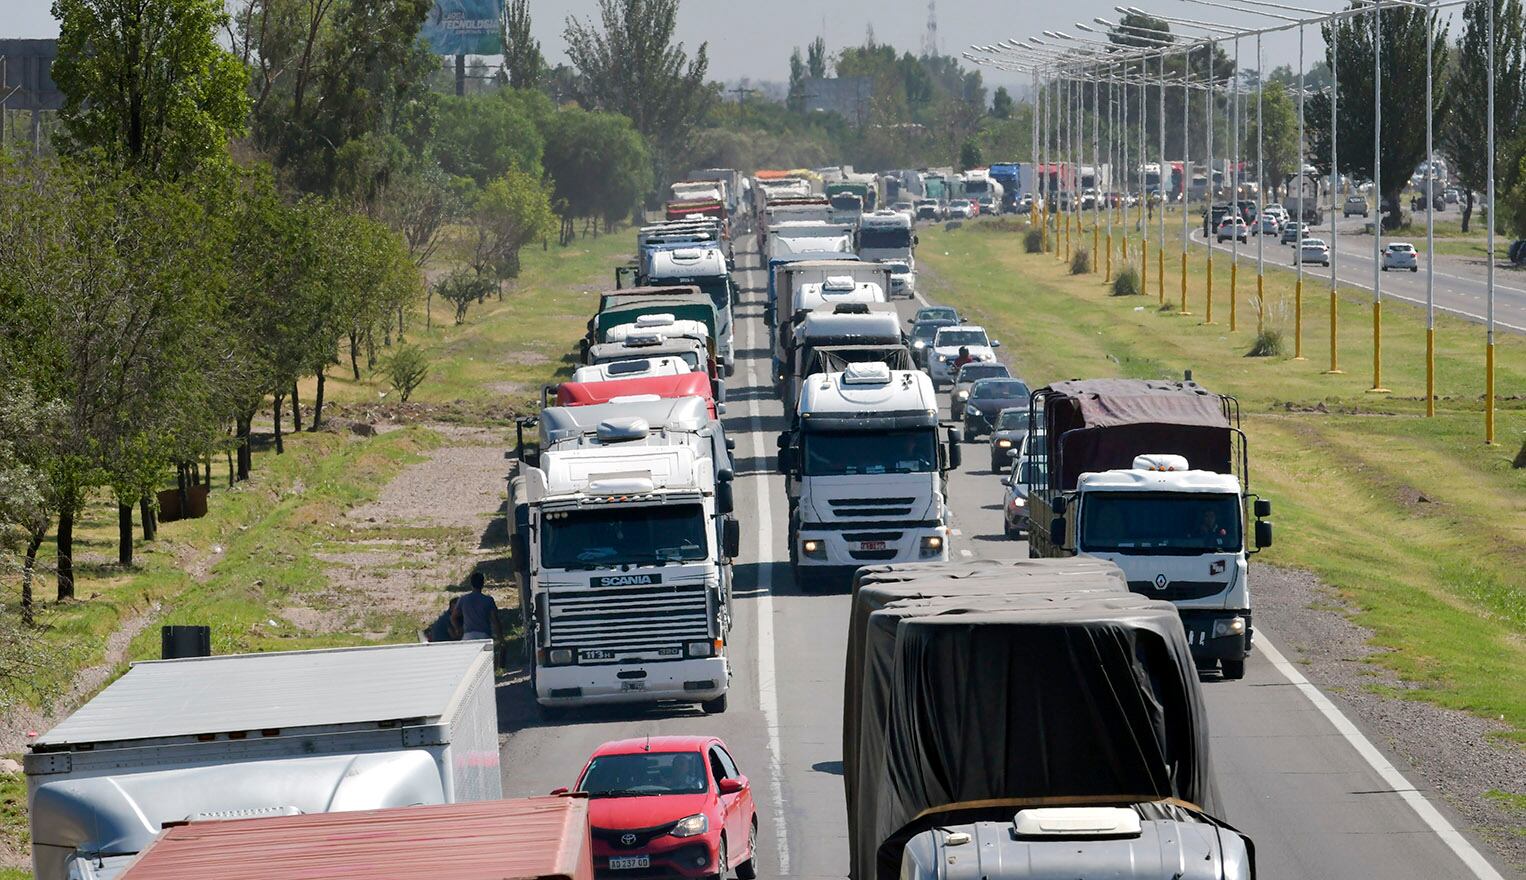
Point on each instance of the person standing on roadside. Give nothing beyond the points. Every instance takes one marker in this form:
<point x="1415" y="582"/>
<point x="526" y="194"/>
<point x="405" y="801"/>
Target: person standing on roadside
<point x="476" y="614"/>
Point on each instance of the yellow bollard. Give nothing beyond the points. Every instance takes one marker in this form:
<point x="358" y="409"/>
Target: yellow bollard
<point x="1298" y="320"/>
<point x="1335" y="362"/>
<point x="1234" y="291"/>
<point x="1208" y="311"/>
<point x="1184" y="283"/>
<point x="1109" y="275"/>
<point x="1377" y="350"/>
<point x="1430" y="371"/>
<point x="1489" y="393"/>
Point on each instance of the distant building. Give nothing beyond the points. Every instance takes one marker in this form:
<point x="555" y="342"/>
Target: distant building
<point x="27" y="67"/>
<point x="847" y="96"/>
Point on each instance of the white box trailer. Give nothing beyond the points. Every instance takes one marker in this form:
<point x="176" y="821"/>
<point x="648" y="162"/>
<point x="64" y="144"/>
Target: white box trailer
<point x="250" y="735"/>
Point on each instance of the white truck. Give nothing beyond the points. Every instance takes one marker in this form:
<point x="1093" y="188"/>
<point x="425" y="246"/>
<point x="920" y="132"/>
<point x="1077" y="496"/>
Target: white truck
<point x="886" y="236"/>
<point x="865" y="467"/>
<point x="249" y="735"/>
<point x="705" y="267"/>
<point x="845" y="324"/>
<point x="625" y="537"/>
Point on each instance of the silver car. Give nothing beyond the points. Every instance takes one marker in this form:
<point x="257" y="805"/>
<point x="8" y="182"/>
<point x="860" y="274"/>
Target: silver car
<point x="1007" y="437"/>
<point x="1401" y="255"/>
<point x="1314" y="250"/>
<point x="1355" y="205"/>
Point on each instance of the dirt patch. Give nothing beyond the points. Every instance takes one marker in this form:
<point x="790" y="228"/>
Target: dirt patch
<point x="1456" y="754"/>
<point x="459" y="486"/>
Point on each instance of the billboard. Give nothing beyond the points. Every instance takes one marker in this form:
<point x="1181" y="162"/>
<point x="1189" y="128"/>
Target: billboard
<point x="464" y="27"/>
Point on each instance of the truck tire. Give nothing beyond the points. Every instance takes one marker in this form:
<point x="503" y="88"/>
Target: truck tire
<point x="1233" y="670"/>
<point x="715" y="706"/>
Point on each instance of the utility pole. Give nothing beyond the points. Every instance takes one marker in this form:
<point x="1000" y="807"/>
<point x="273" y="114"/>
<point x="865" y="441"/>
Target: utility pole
<point x="742" y="92"/>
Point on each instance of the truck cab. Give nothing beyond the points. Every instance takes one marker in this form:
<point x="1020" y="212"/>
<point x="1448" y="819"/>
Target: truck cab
<point x="627" y="543"/>
<point x="865" y="462"/>
<point x="704" y="267"/>
<point x="886" y="236"/>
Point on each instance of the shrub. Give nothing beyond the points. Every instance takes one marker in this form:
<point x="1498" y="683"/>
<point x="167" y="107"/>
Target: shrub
<point x="1080" y="262"/>
<point x="406" y="370"/>
<point x="1167" y="306"/>
<point x="1127" y="282"/>
<point x="1033" y="241"/>
<point x="1268" y="343"/>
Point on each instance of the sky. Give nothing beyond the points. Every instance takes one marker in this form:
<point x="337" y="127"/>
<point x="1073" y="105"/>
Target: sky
<point x="744" y="43"/>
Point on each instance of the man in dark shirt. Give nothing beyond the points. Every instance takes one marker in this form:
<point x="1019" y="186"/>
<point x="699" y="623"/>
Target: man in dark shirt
<point x="476" y="613"/>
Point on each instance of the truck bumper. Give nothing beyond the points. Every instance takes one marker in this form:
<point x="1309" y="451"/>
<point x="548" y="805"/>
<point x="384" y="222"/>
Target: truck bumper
<point x="1201" y="626"/>
<point x="844" y="551"/>
<point x="687" y="681"/>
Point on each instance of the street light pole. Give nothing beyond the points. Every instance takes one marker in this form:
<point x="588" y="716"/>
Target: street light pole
<point x="1160" y="131"/>
<point x="1208" y="176"/>
<point x="1430" y="232"/>
<point x="1335" y="188"/>
<point x="1493" y="208"/>
<point x="1234" y="191"/>
<point x="1302" y="209"/>
<point x="1377" y="191"/>
<point x="1260" y="185"/>
<point x="1186" y="166"/>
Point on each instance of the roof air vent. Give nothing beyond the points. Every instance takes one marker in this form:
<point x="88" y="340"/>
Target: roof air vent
<point x="870" y="373"/>
<point x="659" y="320"/>
<point x="1158" y="461"/>
<point x="623" y="428"/>
<point x="851" y="309"/>
<point x="1077" y="822"/>
<point x="838" y="282"/>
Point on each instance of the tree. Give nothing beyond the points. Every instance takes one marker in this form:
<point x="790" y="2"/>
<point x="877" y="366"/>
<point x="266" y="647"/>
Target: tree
<point x="630" y="64"/>
<point x="796" y="98"/>
<point x="1279" y="135"/>
<point x="29" y="437"/>
<point x="816" y="59"/>
<point x="483" y="136"/>
<point x="1403" y="72"/>
<point x="969" y="155"/>
<point x="460" y="288"/>
<point x="406" y="370"/>
<point x="1462" y="134"/>
<point x="599" y="165"/>
<point x="1001" y="103"/>
<point x="521" y="51"/>
<point x="509" y="213"/>
<point x="418" y="205"/>
<point x="147" y="84"/>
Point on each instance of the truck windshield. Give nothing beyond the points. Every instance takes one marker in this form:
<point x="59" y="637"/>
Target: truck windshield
<point x="844" y="453"/>
<point x="643" y="535"/>
<point x="882" y="237"/>
<point x="645" y="774"/>
<point x="1149" y="523"/>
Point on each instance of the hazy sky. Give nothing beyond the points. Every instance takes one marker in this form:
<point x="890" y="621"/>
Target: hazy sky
<point x="754" y="40"/>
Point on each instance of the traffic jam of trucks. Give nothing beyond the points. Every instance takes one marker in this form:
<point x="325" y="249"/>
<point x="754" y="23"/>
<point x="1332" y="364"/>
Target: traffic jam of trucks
<point x="1080" y="665"/>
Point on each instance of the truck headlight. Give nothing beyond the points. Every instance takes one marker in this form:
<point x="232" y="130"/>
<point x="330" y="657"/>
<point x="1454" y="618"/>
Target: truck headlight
<point x="963" y="394"/>
<point x="705" y="648"/>
<point x="932" y="545"/>
<point x="559" y="656"/>
<point x="691" y="826"/>
<point x="1004" y="443"/>
<point x="813" y="548"/>
<point x="1232" y="626"/>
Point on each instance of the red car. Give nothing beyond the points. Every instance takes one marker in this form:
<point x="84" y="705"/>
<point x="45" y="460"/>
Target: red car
<point x="669" y="806"/>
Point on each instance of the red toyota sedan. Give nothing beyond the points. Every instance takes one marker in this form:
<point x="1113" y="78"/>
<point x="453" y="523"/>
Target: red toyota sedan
<point x="668" y="806"/>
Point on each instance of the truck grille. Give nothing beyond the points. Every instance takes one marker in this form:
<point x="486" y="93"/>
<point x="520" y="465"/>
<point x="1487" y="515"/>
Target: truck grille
<point x="872" y="507"/>
<point x="630" y="619"/>
<point x="1178" y="590"/>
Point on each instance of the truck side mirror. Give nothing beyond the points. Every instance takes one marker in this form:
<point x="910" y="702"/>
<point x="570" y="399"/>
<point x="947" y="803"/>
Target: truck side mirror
<point x="1057" y="531"/>
<point x="1263" y="508"/>
<point x="782" y="441"/>
<point x="725" y="497"/>
<point x="1263" y="534"/>
<point x="1061" y="504"/>
<point x="955" y="451"/>
<point x="731" y="444"/>
<point x="583" y="350"/>
<point x="731" y="538"/>
<point x="789" y="460"/>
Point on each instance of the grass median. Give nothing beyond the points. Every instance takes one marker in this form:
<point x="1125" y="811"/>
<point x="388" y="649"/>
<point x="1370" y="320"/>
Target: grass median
<point x="1412" y="518"/>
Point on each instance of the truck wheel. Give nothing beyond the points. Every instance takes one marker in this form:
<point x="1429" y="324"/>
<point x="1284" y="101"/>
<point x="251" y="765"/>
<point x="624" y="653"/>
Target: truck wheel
<point x="715" y="706"/>
<point x="1233" y="670"/>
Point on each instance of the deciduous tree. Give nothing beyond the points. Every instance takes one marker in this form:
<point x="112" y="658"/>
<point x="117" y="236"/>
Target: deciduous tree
<point x="1463" y="133"/>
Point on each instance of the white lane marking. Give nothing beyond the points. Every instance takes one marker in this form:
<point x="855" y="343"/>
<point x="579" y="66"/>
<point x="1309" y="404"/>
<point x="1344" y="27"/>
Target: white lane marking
<point x="1423" y="808"/>
<point x="768" y="691"/>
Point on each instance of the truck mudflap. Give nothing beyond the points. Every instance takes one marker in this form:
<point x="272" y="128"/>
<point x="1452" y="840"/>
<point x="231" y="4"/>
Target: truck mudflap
<point x="687" y="681"/>
<point x="1213" y="634"/>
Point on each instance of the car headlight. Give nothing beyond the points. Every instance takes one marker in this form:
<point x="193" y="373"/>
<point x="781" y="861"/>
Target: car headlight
<point x="1019" y="502"/>
<point x="963" y="394"/>
<point x="932" y="545"/>
<point x="919" y="344"/>
<point x="813" y="548"/>
<point x="972" y="410"/>
<point x="1004" y="443"/>
<point x="942" y="358"/>
<point x="690" y="826"/>
<point x="1232" y="626"/>
<point x="559" y="656"/>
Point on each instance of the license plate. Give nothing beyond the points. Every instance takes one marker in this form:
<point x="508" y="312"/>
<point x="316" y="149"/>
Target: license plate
<point x="633" y="686"/>
<point x="871" y="545"/>
<point x="623" y="863"/>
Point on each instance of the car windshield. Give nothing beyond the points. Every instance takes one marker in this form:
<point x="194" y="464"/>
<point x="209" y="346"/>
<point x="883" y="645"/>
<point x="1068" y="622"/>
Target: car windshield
<point x="1012" y="419"/>
<point x="645" y="775"/>
<point x="1313" y="243"/>
<point x="626" y="535"/>
<point x="1149" y="523"/>
<point x="971" y="372"/>
<point x="961" y="337"/>
<point x="936" y="314"/>
<point x="992" y="389"/>
<point x="1401" y="248"/>
<point x="842" y="453"/>
<point x="925" y="330"/>
<point x="898" y="268"/>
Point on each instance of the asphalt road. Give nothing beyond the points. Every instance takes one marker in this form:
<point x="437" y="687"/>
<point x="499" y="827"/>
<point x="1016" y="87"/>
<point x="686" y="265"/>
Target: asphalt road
<point x="1315" y="806"/>
<point x="1462" y="287"/>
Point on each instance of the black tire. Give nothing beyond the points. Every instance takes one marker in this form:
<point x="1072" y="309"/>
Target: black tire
<point x="968" y="436"/>
<point x="995" y="466"/>
<point x="1011" y="533"/>
<point x="1233" y="670"/>
<point x="720" y="861"/>
<point x="1414" y="268"/>
<point x="748" y="870"/>
<point x="715" y="706"/>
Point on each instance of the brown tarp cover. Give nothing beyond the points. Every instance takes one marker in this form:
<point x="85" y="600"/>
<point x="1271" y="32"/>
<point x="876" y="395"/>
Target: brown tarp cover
<point x="1140" y="416"/>
<point x="541" y="837"/>
<point x="1058" y="686"/>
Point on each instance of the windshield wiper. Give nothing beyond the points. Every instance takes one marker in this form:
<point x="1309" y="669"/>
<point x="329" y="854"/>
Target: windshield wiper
<point x="624" y="792"/>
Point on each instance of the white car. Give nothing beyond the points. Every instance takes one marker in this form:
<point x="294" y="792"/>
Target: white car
<point x="945" y="350"/>
<point x="1314" y="250"/>
<point x="1401" y="255"/>
<point x="960" y="209"/>
<point x="1277" y="211"/>
<point x="903" y="281"/>
<point x="906" y="208"/>
<point x="1267" y="225"/>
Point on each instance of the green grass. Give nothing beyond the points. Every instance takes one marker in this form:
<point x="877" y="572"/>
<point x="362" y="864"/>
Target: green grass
<point x="1437" y="580"/>
<point x="494" y="363"/>
<point x="14" y="835"/>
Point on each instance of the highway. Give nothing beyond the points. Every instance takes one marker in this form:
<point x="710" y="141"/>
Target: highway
<point x="1320" y="801"/>
<point x="1461" y="285"/>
